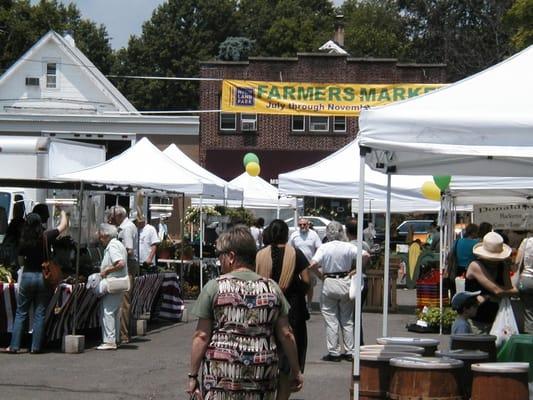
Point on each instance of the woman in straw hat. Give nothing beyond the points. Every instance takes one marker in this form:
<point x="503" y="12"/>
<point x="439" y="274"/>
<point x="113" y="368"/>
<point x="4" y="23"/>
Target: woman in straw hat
<point x="490" y="274"/>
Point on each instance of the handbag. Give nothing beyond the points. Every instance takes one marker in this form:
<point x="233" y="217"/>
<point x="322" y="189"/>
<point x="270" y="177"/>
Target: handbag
<point x="52" y="273"/>
<point x="114" y="285"/>
<point x="504" y="325"/>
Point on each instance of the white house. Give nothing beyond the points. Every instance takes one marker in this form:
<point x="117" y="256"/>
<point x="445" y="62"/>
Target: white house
<point x="55" y="90"/>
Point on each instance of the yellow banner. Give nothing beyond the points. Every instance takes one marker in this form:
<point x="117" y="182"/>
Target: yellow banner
<point x="294" y="98"/>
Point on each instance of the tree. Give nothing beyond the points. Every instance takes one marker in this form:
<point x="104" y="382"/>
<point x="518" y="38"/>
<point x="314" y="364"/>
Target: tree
<point x="373" y="28"/>
<point x="468" y="35"/>
<point x="235" y="49"/>
<point x="519" y="20"/>
<point x="22" y="24"/>
<point x="285" y="27"/>
<point x="180" y="34"/>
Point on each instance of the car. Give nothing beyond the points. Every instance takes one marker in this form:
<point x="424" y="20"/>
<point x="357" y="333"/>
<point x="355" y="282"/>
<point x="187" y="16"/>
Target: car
<point x="420" y="228"/>
<point x="318" y="223"/>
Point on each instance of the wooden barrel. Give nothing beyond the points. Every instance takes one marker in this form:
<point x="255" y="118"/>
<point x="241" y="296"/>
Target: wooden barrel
<point x="426" y="378"/>
<point x="429" y="345"/>
<point x="486" y="343"/>
<point x="375" y="373"/>
<point x="391" y="348"/>
<point x="468" y="357"/>
<point x="497" y="381"/>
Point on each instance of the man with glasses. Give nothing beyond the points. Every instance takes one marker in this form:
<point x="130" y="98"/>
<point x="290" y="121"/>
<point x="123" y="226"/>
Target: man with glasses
<point x="308" y="241"/>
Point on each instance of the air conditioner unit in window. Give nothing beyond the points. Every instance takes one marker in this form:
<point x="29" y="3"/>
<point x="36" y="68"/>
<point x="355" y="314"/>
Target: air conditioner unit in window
<point x="249" y="126"/>
<point x="317" y="126"/>
<point x="32" y="81"/>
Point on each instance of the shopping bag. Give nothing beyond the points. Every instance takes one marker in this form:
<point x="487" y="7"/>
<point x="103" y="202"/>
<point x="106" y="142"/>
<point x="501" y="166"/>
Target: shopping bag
<point x="505" y="324"/>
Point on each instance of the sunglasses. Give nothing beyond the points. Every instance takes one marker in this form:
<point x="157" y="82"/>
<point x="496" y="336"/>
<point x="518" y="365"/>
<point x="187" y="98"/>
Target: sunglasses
<point x="303" y="225"/>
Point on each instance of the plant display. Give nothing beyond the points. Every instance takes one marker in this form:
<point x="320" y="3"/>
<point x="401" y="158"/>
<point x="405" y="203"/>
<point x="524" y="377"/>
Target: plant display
<point x="192" y="214"/>
<point x="431" y="315"/>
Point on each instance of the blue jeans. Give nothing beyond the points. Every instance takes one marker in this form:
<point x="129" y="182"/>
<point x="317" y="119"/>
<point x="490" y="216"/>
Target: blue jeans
<point x="32" y="289"/>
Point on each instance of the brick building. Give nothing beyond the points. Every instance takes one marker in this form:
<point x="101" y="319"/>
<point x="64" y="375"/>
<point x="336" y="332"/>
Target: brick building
<point x="284" y="143"/>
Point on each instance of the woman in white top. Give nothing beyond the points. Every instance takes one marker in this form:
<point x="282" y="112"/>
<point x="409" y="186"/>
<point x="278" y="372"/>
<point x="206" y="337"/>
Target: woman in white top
<point x="524" y="259"/>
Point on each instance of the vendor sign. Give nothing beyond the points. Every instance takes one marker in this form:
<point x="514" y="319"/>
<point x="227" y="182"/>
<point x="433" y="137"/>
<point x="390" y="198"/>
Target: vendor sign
<point x="513" y="216"/>
<point x="293" y="98"/>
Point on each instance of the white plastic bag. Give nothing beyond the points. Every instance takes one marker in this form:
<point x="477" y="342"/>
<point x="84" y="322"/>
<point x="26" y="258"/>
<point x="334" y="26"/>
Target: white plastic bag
<point x="353" y="286"/>
<point x="505" y="324"/>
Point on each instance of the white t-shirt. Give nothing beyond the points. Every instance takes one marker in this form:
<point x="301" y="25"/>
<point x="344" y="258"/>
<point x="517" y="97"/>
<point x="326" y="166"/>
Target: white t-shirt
<point x="114" y="252"/>
<point x="308" y="242"/>
<point x="128" y="235"/>
<point x="257" y="234"/>
<point x="147" y="238"/>
<point x="335" y="257"/>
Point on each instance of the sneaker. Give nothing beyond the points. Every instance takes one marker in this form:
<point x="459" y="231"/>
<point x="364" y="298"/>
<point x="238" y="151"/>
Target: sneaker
<point x="107" y="346"/>
<point x="347" y="357"/>
<point x="331" y="357"/>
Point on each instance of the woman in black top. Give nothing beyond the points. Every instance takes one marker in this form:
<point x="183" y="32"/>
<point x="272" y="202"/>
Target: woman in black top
<point x="288" y="267"/>
<point x="489" y="273"/>
<point x="32" y="288"/>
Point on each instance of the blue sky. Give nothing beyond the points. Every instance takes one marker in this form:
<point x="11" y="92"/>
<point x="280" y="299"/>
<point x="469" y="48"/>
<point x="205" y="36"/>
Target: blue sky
<point x="122" y="18"/>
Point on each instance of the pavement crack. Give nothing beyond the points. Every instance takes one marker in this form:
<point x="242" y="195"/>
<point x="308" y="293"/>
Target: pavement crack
<point x="60" y="389"/>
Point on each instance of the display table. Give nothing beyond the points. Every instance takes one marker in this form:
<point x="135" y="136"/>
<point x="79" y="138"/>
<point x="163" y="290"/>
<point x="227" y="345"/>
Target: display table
<point x="60" y="312"/>
<point x="374" y="298"/>
<point x="518" y="348"/>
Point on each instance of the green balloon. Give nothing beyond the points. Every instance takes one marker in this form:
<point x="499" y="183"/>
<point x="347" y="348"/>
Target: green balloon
<point x="248" y="158"/>
<point x="442" y="181"/>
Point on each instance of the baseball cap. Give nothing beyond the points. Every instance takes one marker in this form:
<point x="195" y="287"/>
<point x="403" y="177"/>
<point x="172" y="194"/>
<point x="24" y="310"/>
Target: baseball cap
<point x="460" y="298"/>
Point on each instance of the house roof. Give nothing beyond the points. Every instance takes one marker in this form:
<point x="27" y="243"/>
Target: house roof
<point x="86" y="67"/>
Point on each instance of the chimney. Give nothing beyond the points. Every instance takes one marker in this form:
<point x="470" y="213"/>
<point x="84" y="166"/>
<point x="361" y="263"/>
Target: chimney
<point x="338" y="37"/>
<point x="68" y="35"/>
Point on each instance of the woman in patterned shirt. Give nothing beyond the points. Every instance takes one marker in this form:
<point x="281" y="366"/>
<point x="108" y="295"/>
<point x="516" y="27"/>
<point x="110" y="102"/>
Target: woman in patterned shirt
<point x="240" y="316"/>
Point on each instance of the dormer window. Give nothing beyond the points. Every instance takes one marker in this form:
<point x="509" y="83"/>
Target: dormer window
<point x="51" y="75"/>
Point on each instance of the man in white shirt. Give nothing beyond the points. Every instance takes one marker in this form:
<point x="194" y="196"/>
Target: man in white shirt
<point x="333" y="263"/>
<point x="148" y="241"/>
<point x="308" y="241"/>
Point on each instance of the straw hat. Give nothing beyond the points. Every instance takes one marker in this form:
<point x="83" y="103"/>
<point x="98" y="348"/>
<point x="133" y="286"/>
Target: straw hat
<point x="492" y="248"/>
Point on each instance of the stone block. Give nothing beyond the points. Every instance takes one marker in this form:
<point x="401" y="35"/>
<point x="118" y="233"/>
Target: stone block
<point x="141" y="327"/>
<point x="73" y="344"/>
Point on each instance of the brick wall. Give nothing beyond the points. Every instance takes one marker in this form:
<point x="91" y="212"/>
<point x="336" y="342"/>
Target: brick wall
<point x="274" y="132"/>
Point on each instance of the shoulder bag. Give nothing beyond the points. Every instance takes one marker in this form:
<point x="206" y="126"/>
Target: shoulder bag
<point x="52" y="273"/>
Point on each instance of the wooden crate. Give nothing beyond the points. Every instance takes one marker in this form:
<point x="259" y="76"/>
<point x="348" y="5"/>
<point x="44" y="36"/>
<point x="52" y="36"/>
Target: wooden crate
<point x="374" y="298"/>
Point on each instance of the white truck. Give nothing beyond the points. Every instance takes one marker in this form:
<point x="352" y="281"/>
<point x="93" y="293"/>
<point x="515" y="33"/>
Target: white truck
<point x="30" y="157"/>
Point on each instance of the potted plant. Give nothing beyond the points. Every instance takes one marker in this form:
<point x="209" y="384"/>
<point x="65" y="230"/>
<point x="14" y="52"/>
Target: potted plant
<point x="165" y="249"/>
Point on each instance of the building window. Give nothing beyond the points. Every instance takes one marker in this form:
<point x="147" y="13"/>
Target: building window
<point x="339" y="124"/>
<point x="228" y="121"/>
<point x="248" y="122"/>
<point x="51" y="75"/>
<point x="318" y="124"/>
<point x="298" y="123"/>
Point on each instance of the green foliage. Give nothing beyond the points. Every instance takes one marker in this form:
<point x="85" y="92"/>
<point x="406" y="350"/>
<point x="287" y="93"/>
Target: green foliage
<point x="22" y="24"/>
<point x="235" y="49"/>
<point x="431" y="315"/>
<point x="468" y="36"/>
<point x="237" y="215"/>
<point x="519" y="20"/>
<point x="373" y="28"/>
<point x="192" y="214"/>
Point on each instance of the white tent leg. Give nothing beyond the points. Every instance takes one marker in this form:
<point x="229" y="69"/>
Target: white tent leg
<point x="386" y="265"/>
<point x="277" y="209"/>
<point x="359" y="275"/>
<point x="201" y="244"/>
<point x="443" y="213"/>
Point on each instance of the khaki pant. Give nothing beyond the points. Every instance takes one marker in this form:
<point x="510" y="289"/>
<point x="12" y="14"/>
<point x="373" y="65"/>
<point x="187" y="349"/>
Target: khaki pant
<point x="337" y="310"/>
<point x="125" y="313"/>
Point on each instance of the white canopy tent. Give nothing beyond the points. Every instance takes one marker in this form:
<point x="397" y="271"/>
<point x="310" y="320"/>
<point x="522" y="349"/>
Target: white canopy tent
<point x="338" y="176"/>
<point x="180" y="158"/>
<point x="144" y="164"/>
<point x="480" y="126"/>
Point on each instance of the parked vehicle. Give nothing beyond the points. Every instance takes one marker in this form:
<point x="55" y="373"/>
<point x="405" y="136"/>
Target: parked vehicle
<point x="420" y="228"/>
<point x="318" y="224"/>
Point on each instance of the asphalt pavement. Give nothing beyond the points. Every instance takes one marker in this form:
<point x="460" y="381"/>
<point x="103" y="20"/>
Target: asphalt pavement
<point x="155" y="366"/>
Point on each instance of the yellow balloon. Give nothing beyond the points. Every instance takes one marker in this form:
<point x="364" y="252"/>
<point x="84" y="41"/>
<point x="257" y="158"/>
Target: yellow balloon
<point x="431" y="191"/>
<point x="253" y="168"/>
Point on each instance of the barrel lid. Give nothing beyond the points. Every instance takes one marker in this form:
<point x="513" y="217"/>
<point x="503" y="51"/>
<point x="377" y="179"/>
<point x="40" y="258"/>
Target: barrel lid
<point x="469" y="337"/>
<point x="422" y="342"/>
<point x="502" y="367"/>
<point x="426" y="362"/>
<point x="461" y="354"/>
<point x="392" y="348"/>
<point x="384" y="355"/>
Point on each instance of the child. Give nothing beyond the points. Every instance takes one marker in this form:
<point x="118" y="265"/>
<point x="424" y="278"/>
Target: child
<point x="466" y="304"/>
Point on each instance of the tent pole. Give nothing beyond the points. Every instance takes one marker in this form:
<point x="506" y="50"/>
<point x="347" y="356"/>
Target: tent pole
<point x="201" y="243"/>
<point x="77" y="280"/>
<point x="386" y="265"/>
<point x="277" y="209"/>
<point x="443" y="212"/>
<point x="359" y="275"/>
<point x="182" y="245"/>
